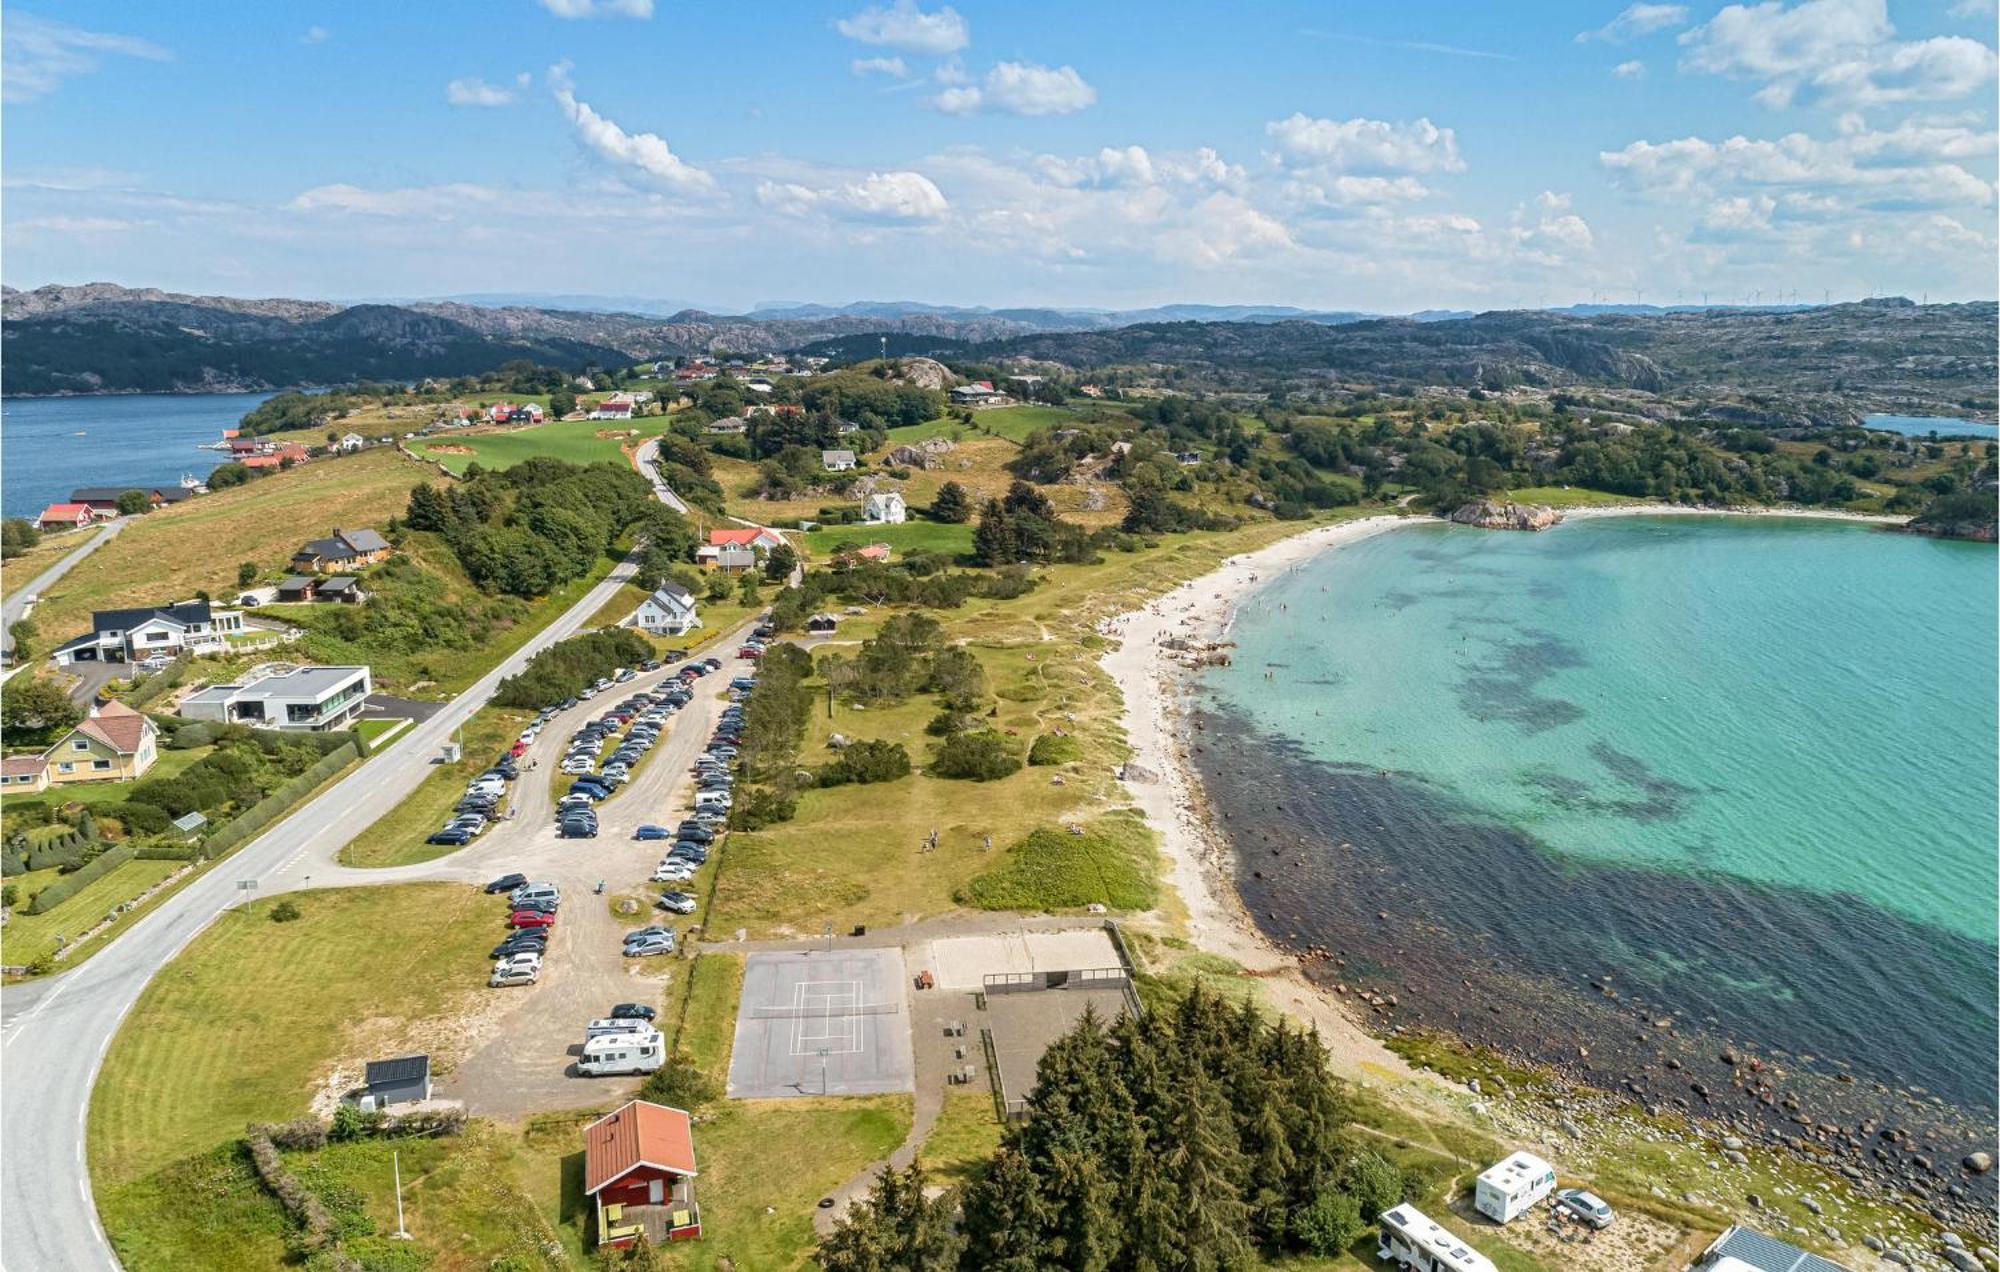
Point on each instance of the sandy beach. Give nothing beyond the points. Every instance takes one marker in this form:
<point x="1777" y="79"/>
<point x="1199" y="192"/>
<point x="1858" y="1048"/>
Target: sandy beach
<point x="1151" y="677"/>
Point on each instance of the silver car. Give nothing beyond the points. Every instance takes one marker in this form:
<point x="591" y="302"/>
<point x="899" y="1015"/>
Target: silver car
<point x="1586" y="1206"/>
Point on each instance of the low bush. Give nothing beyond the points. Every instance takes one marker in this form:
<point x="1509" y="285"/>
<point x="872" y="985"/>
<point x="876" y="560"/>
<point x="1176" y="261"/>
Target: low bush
<point x="1110" y="864"/>
<point x="286" y="911"/>
<point x="1328" y="1224"/>
<point x="975" y="757"/>
<point x="1054" y="748"/>
<point x="761" y="807"/>
<point x="680" y="1084"/>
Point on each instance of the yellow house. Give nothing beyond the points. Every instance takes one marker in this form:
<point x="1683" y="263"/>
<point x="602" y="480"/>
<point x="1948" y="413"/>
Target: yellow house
<point x="115" y="743"/>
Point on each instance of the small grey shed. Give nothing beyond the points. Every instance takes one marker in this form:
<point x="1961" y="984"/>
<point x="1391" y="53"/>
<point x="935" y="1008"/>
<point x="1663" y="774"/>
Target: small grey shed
<point x="404" y="1080"/>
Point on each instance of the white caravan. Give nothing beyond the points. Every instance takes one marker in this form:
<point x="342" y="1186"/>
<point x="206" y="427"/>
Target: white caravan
<point x="1513" y="1187"/>
<point x="1419" y="1244"/>
<point x="622" y="1053"/>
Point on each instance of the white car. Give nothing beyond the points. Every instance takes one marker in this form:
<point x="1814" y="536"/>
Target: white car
<point x="677" y="872"/>
<point x="511" y="973"/>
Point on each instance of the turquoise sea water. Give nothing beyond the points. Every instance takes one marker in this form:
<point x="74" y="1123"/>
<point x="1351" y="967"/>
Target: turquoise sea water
<point x="1807" y="704"/>
<point x="1925" y="425"/>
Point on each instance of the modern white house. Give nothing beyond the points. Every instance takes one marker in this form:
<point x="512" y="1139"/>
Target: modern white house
<point x="129" y="635"/>
<point x="305" y="699"/>
<point x="669" y="611"/>
<point x="884" y="508"/>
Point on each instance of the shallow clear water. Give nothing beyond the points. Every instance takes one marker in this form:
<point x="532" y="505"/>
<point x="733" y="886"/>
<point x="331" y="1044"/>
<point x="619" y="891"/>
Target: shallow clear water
<point x="1804" y="703"/>
<point x="1925" y="425"/>
<point x="144" y="439"/>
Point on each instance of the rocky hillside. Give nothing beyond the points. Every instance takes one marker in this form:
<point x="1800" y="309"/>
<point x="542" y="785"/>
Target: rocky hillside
<point x="1818" y="365"/>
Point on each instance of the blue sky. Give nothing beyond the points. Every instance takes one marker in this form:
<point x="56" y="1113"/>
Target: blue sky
<point x="1343" y="155"/>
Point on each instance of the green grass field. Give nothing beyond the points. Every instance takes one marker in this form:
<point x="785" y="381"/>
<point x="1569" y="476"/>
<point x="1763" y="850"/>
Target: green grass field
<point x="17" y="572"/>
<point x="397" y="839"/>
<point x="576" y="441"/>
<point x="249" y="1018"/>
<point x="29" y="936"/>
<point x="1011" y="422"/>
<point x="910" y="536"/>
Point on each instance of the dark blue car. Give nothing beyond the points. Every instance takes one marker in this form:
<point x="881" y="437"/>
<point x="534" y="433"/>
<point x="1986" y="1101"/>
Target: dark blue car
<point x="653" y="832"/>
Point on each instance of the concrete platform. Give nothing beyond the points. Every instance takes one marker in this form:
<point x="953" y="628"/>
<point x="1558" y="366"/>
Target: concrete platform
<point x="1023" y="1025"/>
<point x="824" y="1022"/>
<point x="964" y="962"/>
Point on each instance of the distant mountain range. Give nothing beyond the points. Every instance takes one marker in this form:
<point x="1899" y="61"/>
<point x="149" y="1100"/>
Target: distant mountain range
<point x="103" y="338"/>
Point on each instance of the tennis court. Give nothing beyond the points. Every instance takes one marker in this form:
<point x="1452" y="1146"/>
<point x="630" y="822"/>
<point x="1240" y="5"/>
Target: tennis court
<point x="826" y="1022"/>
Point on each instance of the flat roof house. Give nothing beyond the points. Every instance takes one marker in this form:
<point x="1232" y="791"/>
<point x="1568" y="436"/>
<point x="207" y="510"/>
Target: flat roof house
<point x="669" y="611"/>
<point x="341" y="550"/>
<point x="403" y="1080"/>
<point x="131" y="634"/>
<point x="305" y="700"/>
<point x="638" y="1168"/>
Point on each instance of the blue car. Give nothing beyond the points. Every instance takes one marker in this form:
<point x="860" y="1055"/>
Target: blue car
<point x="653" y="832"/>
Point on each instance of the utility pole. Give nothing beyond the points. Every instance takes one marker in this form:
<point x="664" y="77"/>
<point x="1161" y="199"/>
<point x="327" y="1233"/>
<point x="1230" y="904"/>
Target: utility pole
<point x="396" y="1158"/>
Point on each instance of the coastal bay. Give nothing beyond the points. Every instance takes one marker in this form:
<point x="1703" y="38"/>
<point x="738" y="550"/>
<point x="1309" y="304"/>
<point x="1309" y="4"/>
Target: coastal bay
<point x="55" y="445"/>
<point x="1395" y="883"/>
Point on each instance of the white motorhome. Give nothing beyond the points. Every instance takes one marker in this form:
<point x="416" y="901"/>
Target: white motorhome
<point x="616" y="1053"/>
<point x="615" y="1025"/>
<point x="1513" y="1187"/>
<point x="1419" y="1244"/>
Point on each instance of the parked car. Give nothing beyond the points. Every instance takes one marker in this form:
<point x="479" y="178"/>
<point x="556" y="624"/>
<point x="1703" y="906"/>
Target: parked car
<point x="1587" y="1206"/>
<point x="652" y="832"/>
<point x="679" y="870"/>
<point x="697" y="831"/>
<point x="578" y="830"/>
<point x="634" y="1011"/>
<point x="677" y="902"/>
<point x="650" y="930"/>
<point x="527" y="890"/>
<point x="530" y="918"/>
<point x="648" y="948"/>
<point x="449" y="838"/>
<point x="506" y="883"/>
<point x="514" y="976"/>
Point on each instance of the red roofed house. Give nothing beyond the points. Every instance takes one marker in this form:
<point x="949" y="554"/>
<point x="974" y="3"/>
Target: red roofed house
<point x="756" y="538"/>
<point x="638" y="1166"/>
<point x="65" y="516"/>
<point x="290" y="451"/>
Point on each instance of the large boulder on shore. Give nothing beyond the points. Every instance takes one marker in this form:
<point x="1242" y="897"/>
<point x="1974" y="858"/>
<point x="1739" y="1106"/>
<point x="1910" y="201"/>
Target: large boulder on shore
<point x="1490" y="515"/>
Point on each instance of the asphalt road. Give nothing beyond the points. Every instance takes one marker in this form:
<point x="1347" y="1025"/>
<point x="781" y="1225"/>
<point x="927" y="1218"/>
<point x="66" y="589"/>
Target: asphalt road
<point x="648" y="457"/>
<point x="15" y="606"/>
<point x="54" y="1031"/>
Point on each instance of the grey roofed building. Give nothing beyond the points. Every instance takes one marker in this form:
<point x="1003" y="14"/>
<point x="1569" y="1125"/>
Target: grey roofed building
<point x="314" y="699"/>
<point x="1753" y="1249"/>
<point x="837" y="460"/>
<point x="405" y="1079"/>
<point x="190" y="823"/>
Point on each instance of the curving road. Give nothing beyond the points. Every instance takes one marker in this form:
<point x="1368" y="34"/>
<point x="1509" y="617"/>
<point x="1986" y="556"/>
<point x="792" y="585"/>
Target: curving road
<point x="15" y="607"/>
<point x="54" y="1031"/>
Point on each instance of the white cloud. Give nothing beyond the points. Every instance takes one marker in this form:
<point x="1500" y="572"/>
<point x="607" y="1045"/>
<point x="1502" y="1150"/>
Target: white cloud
<point x="1629" y="70"/>
<point x="1127" y="167"/>
<point x="599" y="8"/>
<point x="315" y="35"/>
<point x="894" y="67"/>
<point x="1637" y="20"/>
<point x="80" y="225"/>
<point x="39" y="53"/>
<point x="1221" y="230"/>
<point x="879" y="196"/>
<point x="1842" y="53"/>
<point x="1365" y="145"/>
<point x="439" y="202"/>
<point x="1974" y="9"/>
<point x="645" y="153"/>
<point x="1020" y="88"/>
<point x="904" y="26"/>
<point x="1906" y="168"/>
<point x="473" y="91"/>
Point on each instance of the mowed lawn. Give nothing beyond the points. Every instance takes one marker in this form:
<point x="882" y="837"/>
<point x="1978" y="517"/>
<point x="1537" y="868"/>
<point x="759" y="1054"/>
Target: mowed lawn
<point x="29" y="936"/>
<point x="911" y="536"/>
<point x="171" y="554"/>
<point x="252" y="1015"/>
<point x="1012" y="422"/>
<point x="576" y="441"/>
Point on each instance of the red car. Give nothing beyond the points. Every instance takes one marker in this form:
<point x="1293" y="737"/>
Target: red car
<point x="518" y="750"/>
<point x="530" y="919"/>
<point x="747" y="652"/>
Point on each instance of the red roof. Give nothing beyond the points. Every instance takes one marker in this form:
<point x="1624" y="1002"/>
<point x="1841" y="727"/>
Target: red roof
<point x="23" y="765"/>
<point x="117" y="726"/>
<point x="722" y="538"/>
<point x="65" y="512"/>
<point x="639" y="1134"/>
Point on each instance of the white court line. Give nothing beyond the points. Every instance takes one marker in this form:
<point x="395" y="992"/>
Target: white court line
<point x="814" y="1034"/>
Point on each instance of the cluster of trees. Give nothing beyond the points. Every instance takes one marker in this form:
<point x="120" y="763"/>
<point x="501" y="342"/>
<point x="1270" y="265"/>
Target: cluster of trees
<point x="921" y="578"/>
<point x="17" y="535"/>
<point x="871" y="399"/>
<point x="567" y="667"/>
<point x="774" y="725"/>
<point x="528" y="529"/>
<point x="865" y="762"/>
<point x="1024" y="527"/>
<point x="1197" y="1137"/>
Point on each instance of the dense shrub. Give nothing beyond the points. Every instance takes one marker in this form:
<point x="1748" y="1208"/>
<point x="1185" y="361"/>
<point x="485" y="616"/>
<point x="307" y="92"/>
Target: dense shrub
<point x="978" y="757"/>
<point x="1109" y="864"/>
<point x="680" y="1084"/>
<point x="1328" y="1224"/>
<point x="866" y="762"/>
<point x="568" y="667"/>
<point x="761" y="806"/>
<point x="286" y="911"/>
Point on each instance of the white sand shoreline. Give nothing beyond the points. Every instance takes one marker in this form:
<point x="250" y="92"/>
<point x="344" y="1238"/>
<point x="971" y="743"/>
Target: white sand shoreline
<point x="1153" y="683"/>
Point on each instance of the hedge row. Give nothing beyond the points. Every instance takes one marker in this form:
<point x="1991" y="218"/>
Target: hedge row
<point x="274" y="805"/>
<point x="170" y="852"/>
<point x="70" y="884"/>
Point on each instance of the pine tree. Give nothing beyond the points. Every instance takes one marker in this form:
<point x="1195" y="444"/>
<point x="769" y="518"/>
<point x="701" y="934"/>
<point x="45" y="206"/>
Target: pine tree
<point x="897" y="1228"/>
<point x="427" y="510"/>
<point x="994" y="541"/>
<point x="1203" y="1164"/>
<point x="1006" y="1218"/>
<point x="951" y="504"/>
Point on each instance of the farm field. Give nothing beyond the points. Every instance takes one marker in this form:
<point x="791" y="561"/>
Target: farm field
<point x="576" y="441"/>
<point x="195" y="546"/>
